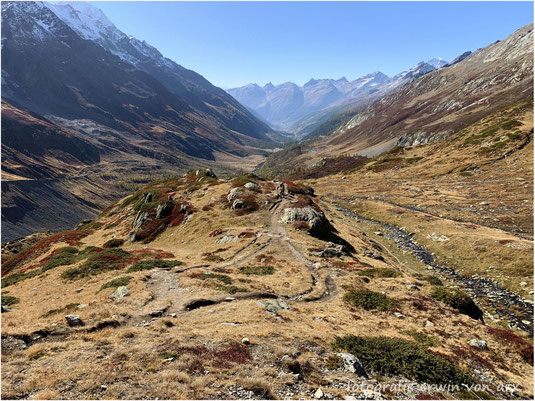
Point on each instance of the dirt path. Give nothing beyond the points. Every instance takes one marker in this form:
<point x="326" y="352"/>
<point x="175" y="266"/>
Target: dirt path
<point x="518" y="234"/>
<point x="165" y="288"/>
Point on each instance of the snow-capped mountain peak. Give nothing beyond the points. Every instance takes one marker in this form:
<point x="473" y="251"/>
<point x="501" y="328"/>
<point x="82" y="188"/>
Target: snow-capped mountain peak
<point x="437" y="62"/>
<point x="91" y="23"/>
<point x="31" y="20"/>
<point x="86" y="20"/>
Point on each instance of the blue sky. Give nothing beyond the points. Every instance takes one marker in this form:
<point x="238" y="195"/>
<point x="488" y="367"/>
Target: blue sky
<point x="235" y="43"/>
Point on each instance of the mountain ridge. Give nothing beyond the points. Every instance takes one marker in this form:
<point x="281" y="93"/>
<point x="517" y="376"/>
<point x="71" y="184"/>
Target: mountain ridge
<point x="287" y="105"/>
<point x="132" y="114"/>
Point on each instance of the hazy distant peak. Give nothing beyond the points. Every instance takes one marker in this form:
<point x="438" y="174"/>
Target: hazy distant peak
<point x="437" y="62"/>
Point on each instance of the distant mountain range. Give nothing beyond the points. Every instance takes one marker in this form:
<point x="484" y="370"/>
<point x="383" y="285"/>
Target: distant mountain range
<point x="72" y="81"/>
<point x="298" y="109"/>
<point x="433" y="106"/>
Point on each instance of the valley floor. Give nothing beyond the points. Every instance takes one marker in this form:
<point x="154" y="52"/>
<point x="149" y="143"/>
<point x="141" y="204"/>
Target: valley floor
<point x="261" y="309"/>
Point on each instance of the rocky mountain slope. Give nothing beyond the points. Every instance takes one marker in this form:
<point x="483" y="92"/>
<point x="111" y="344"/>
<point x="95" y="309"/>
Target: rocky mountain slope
<point x="433" y="106"/>
<point x="198" y="287"/>
<point x="119" y="97"/>
<point x="301" y="109"/>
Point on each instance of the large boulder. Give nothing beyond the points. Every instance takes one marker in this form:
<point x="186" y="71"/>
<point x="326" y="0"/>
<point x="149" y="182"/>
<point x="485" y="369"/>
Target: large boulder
<point x="318" y="223"/>
<point x="165" y="209"/>
<point x="74" y="320"/>
<point x="477" y="343"/>
<point x="226" y="239"/>
<point x="120" y="292"/>
<point x="352" y="364"/>
<point x="330" y="251"/>
<point x="238" y="204"/>
<point x="234" y="194"/>
<point x="252" y="186"/>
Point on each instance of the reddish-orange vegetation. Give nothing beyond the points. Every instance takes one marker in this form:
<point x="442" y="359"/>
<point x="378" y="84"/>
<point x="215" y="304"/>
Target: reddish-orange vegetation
<point x="249" y="205"/>
<point x="154" y="253"/>
<point x="268" y="186"/>
<point x="208" y="207"/>
<point x="216" y="232"/>
<point x="266" y="258"/>
<point x="153" y="226"/>
<point x="468" y="354"/>
<point x="247" y="234"/>
<point x="221" y="357"/>
<point x="301" y="225"/>
<point x="294" y="188"/>
<point x="166" y="194"/>
<point x="72" y="238"/>
<point x="521" y="345"/>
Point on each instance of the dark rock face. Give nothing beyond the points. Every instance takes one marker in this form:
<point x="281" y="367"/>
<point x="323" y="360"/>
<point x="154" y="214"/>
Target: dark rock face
<point x="74" y="320"/>
<point x="164" y="210"/>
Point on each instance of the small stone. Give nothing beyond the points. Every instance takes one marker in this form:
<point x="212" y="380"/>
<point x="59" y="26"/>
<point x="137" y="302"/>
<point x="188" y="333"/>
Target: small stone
<point x="318" y="394"/>
<point x="526" y="322"/>
<point x="120" y="292"/>
<point x="438" y="237"/>
<point x="484" y="203"/>
<point x="252" y="186"/>
<point x="523" y="284"/>
<point x="398" y="315"/>
<point x="82" y="306"/>
<point x="429" y="323"/>
<point x="226" y="238"/>
<point x="74" y="320"/>
<point x="238" y="204"/>
<point x="478" y="344"/>
<point x="379" y="233"/>
<point x="352" y="364"/>
<point x="245" y="341"/>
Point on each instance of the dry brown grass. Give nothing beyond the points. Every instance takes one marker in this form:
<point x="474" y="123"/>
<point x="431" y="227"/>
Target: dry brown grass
<point x="199" y="354"/>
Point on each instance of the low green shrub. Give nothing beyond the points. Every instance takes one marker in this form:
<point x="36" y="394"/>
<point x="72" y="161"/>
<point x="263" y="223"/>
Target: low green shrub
<point x="421" y="338"/>
<point x="257" y="270"/>
<point x="220" y="277"/>
<point x="231" y="289"/>
<point x="369" y="300"/>
<point x="459" y="300"/>
<point x="89" y="268"/>
<point x="433" y="280"/>
<point x="113" y="243"/>
<point x="61" y="259"/>
<point x="116" y="282"/>
<point x="379" y="272"/>
<point x="394" y="356"/>
<point x="16" y="277"/>
<point x="8" y="300"/>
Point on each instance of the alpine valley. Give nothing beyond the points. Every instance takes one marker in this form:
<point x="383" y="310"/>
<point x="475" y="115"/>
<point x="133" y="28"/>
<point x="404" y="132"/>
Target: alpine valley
<point x="166" y="239"/>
